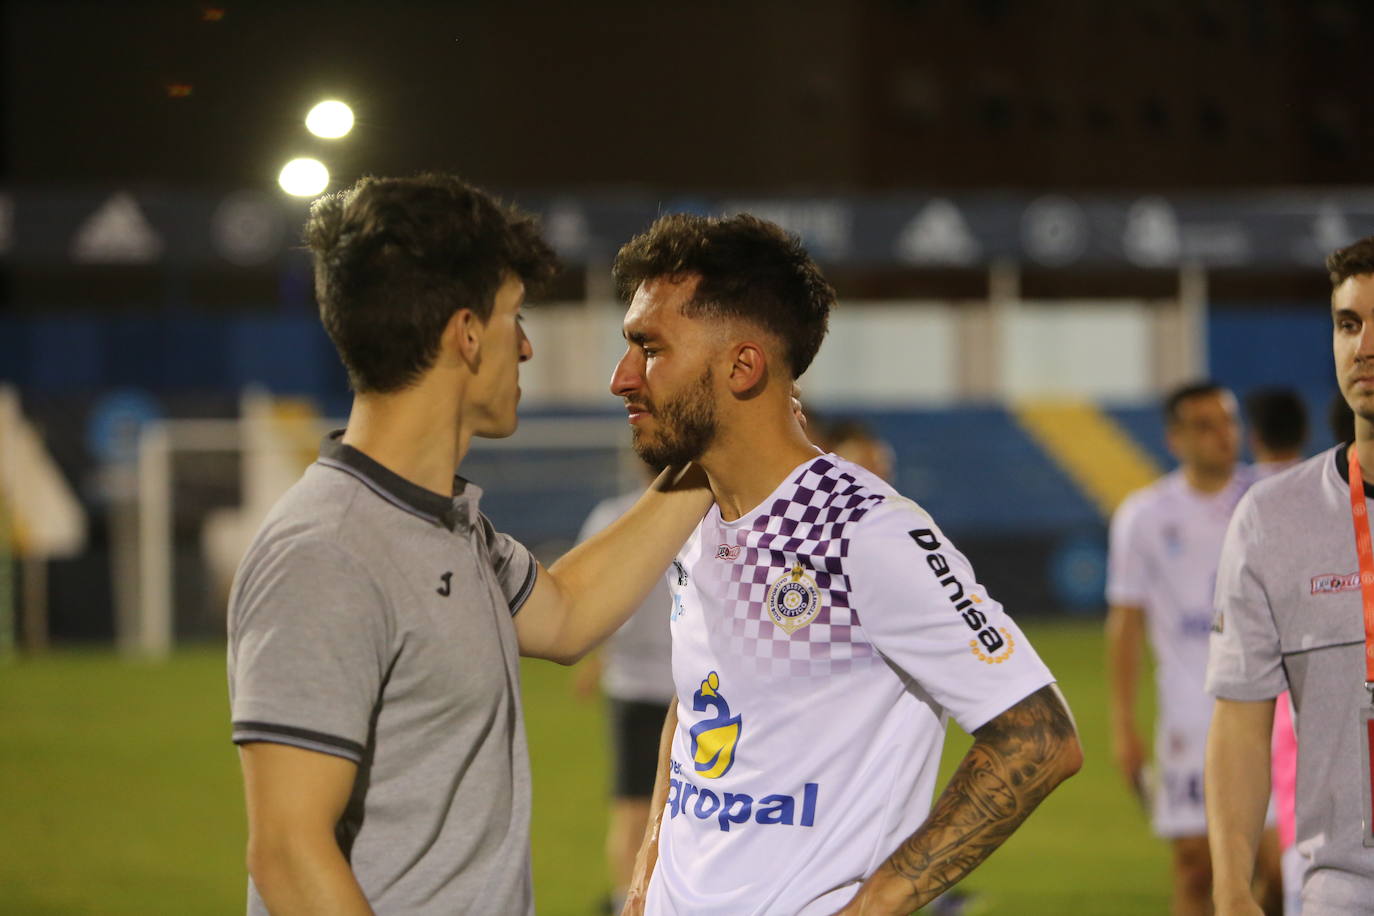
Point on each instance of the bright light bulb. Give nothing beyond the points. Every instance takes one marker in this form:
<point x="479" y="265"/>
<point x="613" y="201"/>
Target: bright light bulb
<point x="303" y="177"/>
<point x="330" y="120"/>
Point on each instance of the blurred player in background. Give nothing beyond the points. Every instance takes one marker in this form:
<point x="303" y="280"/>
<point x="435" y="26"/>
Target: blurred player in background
<point x="1292" y="614"/>
<point x="634" y="669"/>
<point x="854" y="440"/>
<point x="1277" y="423"/>
<point x="375" y="621"/>
<point x="1165" y="541"/>
<point x="823" y="626"/>
<point x="1341" y="420"/>
<point x="1278" y="432"/>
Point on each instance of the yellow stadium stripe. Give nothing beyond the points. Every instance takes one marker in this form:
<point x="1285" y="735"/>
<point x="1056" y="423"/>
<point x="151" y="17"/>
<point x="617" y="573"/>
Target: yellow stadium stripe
<point x="297" y="419"/>
<point x="1092" y="448"/>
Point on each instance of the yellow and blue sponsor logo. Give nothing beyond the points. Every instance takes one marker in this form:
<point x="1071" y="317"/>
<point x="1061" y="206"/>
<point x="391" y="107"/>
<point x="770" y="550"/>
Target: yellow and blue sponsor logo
<point x="713" y="740"/>
<point x="714" y="745"/>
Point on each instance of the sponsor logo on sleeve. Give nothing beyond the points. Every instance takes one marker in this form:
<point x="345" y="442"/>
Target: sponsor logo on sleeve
<point x="991" y="645"/>
<point x="1334" y="584"/>
<point x="793" y="600"/>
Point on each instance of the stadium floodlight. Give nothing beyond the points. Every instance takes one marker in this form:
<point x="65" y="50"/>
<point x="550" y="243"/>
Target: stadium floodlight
<point x="330" y="120"/>
<point x="303" y="177"/>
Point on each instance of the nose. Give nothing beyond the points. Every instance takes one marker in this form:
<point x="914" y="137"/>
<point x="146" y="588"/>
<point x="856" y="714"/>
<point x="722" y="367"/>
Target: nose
<point x="625" y="380"/>
<point x="526" y="348"/>
<point x="1364" y="347"/>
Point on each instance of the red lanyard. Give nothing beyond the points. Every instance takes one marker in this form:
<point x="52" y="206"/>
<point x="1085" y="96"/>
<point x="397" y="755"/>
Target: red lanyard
<point x="1359" y="514"/>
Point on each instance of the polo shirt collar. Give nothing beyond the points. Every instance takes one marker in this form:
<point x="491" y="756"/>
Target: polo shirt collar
<point x="435" y="508"/>
<point x="1343" y="468"/>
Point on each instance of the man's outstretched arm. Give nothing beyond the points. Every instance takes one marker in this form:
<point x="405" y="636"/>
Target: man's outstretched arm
<point x="595" y="587"/>
<point x="1015" y="761"/>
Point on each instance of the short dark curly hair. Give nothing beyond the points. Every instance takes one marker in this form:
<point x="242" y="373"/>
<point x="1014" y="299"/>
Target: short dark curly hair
<point x="396" y="257"/>
<point x="1186" y="392"/>
<point x="748" y="268"/>
<point x="1352" y="260"/>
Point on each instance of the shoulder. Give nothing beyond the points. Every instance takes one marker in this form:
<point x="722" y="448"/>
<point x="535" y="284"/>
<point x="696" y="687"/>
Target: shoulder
<point x="1152" y="498"/>
<point x="1297" y="481"/>
<point x="312" y="519"/>
<point x="313" y="530"/>
<point x="833" y="491"/>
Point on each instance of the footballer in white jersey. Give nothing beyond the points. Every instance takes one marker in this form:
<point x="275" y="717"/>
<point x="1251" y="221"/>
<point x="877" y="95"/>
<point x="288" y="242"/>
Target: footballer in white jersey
<point x="1165" y="543"/>
<point x="820" y="644"/>
<point x="823" y="628"/>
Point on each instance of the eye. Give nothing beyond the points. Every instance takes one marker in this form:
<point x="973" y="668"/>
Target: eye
<point x="649" y="352"/>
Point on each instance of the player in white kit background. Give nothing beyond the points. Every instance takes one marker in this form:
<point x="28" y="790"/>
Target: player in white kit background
<point x="1165" y="544"/>
<point x="824" y="627"/>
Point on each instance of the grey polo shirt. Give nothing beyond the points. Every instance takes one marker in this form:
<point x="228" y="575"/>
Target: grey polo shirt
<point x="371" y="619"/>
<point x="1289" y="617"/>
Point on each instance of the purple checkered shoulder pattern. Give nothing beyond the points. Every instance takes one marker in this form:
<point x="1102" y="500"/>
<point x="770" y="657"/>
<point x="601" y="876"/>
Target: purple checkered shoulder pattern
<point x="810" y="526"/>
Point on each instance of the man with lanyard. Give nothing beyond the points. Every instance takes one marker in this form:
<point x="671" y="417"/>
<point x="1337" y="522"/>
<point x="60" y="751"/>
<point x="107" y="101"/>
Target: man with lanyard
<point x="1295" y="611"/>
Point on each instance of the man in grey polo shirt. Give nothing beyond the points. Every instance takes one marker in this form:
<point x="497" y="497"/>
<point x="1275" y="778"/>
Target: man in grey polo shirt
<point x="376" y="619"/>
<point x="1289" y="616"/>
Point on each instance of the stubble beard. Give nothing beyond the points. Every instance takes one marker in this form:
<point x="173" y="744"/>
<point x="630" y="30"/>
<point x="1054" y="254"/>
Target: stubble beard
<point x="686" y="427"/>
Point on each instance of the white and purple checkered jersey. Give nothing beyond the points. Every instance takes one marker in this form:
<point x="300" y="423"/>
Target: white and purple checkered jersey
<point x="821" y="642"/>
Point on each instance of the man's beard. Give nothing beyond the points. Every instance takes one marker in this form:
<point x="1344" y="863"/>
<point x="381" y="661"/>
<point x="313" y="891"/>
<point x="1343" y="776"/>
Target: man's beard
<point x="686" y="427"/>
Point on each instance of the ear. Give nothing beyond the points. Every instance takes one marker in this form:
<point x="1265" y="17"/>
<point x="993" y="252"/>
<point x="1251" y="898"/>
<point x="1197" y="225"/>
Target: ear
<point x="461" y="342"/>
<point x="748" y="369"/>
<point x="1171" y="440"/>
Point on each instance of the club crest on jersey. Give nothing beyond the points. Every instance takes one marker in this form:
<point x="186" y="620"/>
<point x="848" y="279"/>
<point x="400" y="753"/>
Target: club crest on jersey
<point x="793" y="600"/>
<point x="714" y="739"/>
<point x="727" y="552"/>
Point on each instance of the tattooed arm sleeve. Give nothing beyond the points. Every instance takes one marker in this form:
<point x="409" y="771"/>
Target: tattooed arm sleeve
<point x="1015" y="761"/>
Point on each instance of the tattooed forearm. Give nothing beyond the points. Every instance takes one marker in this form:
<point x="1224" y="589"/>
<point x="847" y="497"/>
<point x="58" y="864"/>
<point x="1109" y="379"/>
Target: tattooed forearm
<point x="1015" y="761"/>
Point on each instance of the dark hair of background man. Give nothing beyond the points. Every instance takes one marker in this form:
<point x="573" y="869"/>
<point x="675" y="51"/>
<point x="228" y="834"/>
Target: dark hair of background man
<point x="1182" y="393"/>
<point x="1277" y="417"/>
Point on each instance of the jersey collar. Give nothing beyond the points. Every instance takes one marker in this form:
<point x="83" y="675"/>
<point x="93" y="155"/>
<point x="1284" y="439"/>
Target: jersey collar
<point x="434" y="508"/>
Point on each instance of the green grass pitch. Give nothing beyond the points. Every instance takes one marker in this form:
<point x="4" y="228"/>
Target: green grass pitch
<point x="121" y="794"/>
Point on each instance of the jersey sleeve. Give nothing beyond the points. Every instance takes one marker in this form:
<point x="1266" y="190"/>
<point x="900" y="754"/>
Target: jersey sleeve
<point x="921" y="606"/>
<point x="1127" y="566"/>
<point x="308" y="645"/>
<point x="1244" y="661"/>
<point x="515" y="567"/>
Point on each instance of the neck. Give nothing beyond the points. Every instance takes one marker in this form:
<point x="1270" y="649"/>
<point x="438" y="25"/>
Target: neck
<point x="414" y="433"/>
<point x="1205" y="480"/>
<point x="1364" y="444"/>
<point x="753" y="459"/>
<point x="1277" y="456"/>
